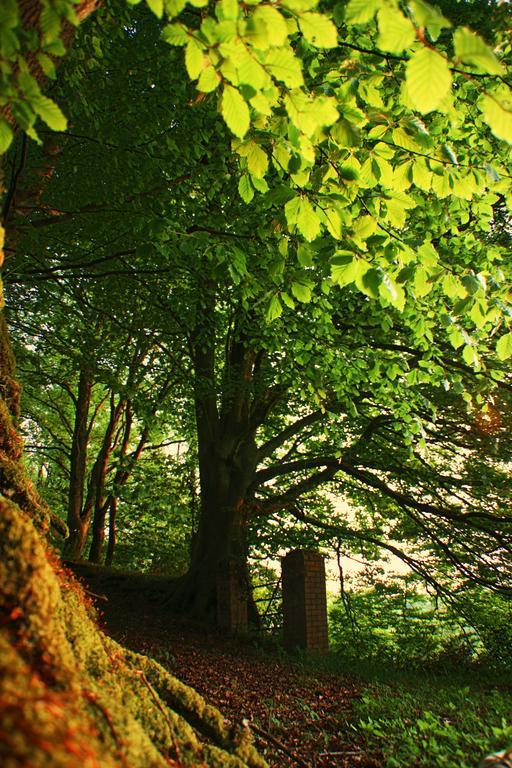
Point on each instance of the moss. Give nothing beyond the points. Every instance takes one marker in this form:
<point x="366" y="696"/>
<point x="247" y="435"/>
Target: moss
<point x="10" y="390"/>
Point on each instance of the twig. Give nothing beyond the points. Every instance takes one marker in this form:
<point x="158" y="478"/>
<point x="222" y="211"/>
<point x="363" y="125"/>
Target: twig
<point x="93" y="594"/>
<point x="90" y="696"/>
<point x="278" y="744"/>
<point x="160" y="706"/>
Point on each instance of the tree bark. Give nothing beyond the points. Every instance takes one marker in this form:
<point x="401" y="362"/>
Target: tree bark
<point x="112" y="531"/>
<point x="122" y="474"/>
<point x="98" y="476"/>
<point x="228" y="457"/>
<point x="78" y="525"/>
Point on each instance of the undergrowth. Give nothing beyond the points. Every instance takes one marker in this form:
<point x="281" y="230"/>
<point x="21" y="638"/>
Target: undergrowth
<point x="434" y="719"/>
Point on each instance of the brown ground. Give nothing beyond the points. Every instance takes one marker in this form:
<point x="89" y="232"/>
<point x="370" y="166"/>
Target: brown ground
<point x="303" y="717"/>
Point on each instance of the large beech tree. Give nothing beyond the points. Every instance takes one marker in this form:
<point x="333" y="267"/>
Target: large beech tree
<point x="256" y="316"/>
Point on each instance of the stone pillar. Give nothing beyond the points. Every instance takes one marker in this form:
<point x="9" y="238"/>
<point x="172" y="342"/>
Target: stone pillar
<point x="232" y="598"/>
<point x="304" y="601"/>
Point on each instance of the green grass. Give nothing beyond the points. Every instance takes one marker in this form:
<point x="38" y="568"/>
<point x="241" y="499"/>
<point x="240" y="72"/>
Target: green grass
<point x="438" y="719"/>
<point x="433" y="726"/>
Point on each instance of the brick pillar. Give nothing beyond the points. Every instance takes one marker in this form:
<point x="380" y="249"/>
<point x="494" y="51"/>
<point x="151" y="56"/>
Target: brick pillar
<point x="232" y="598"/>
<point x="304" y="601"/>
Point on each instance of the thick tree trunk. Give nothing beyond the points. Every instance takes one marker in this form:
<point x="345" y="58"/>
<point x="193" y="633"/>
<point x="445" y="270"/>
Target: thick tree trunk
<point x="226" y="472"/>
<point x="78" y="525"/>
<point x="227" y="452"/>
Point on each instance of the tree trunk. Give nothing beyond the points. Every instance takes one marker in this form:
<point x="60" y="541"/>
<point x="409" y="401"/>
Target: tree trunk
<point x="78" y="525"/>
<point x="112" y="530"/>
<point x="226" y="470"/>
<point x="227" y="452"/>
<point x="100" y="473"/>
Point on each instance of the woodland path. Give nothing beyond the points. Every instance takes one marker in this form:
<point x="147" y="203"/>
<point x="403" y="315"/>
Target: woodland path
<point x="306" y="712"/>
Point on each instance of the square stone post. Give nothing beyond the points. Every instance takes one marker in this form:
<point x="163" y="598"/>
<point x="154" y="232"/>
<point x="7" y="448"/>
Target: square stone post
<point x="304" y="601"/>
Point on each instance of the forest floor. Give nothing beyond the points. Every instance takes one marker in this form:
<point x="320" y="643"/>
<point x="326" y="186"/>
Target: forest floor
<point x="307" y="712"/>
<point x="304" y="715"/>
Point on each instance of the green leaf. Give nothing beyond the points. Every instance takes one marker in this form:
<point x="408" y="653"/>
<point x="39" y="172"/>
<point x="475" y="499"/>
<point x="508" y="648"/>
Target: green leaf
<point x="422" y="284"/>
<point x="365" y="227"/>
<point x="428" y="79"/>
<point x="47" y="65"/>
<point x="318" y="30"/>
<point x="6" y="135"/>
<point x="346" y="134"/>
<point x="275" y="309"/>
<point x="470" y="356"/>
<point x="229" y="9"/>
<point x="174" y="7"/>
<point x="453" y="287"/>
<point x="369" y="282"/>
<point x="301" y="292"/>
<point x="287" y="300"/>
<point x="456" y="337"/>
<point x="157" y="6"/>
<point x="498" y="115"/>
<point x="50" y="23"/>
<point x="300" y="215"/>
<point x="280" y="195"/>
<point x="392" y="292"/>
<point x="252" y="73"/>
<point x="361" y="11"/>
<point x="344" y="268"/>
<point x="308" y="222"/>
<point x="175" y="34"/>
<point x="195" y="59"/>
<point x="277" y="31"/>
<point x="429" y="16"/>
<point x="284" y="66"/>
<point x="421" y="175"/>
<point x="332" y="220"/>
<point x="208" y="81"/>
<point x="257" y="160"/>
<point x="504" y="346"/>
<point x="235" y="111"/>
<point x="396" y="31"/>
<point x="471" y="49"/>
<point x="50" y="113"/>
<point x="245" y="188"/>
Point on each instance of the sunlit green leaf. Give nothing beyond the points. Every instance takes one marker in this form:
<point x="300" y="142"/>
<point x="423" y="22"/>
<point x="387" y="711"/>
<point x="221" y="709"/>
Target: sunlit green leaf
<point x="428" y="79"/>
<point x="235" y="111"/>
